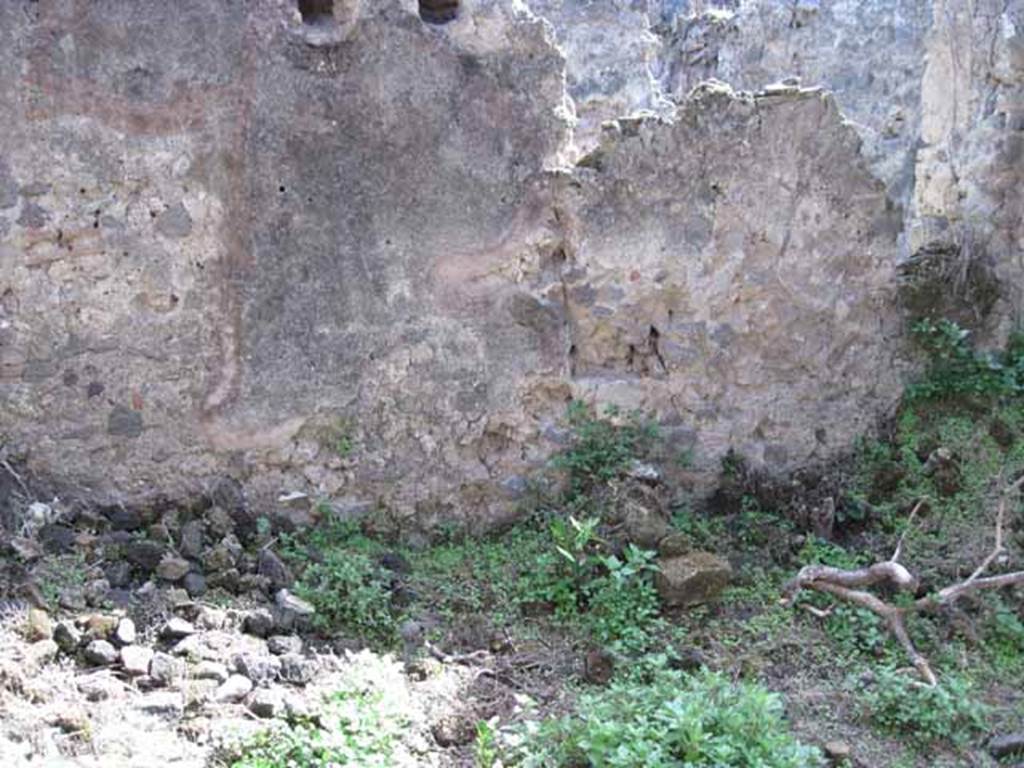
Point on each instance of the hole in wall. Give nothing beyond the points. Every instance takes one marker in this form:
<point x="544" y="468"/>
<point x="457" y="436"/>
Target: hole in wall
<point x="439" y="11"/>
<point x="316" y="11"/>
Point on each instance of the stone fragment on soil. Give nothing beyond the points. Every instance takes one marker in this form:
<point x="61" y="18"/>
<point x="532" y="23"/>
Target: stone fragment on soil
<point x="259" y="669"/>
<point x="1006" y="745"/>
<point x="453" y="731"/>
<point x="99" y="626"/>
<point x="125" y="633"/>
<point x="266" y="702"/>
<point x="38" y="625"/>
<point x="195" y="584"/>
<point x="259" y="622"/>
<point x="136" y="659"/>
<point x="177" y="628"/>
<point x="296" y="669"/>
<point x="67" y="636"/>
<point x="691" y="579"/>
<point x="291" y="611"/>
<point x="235" y="688"/>
<point x="598" y="666"/>
<point x="192" y="539"/>
<point x="273" y="568"/>
<point x="100" y="653"/>
<point x="838" y="752"/>
<point x="210" y="670"/>
<point x="172" y="568"/>
<point x="40" y="653"/>
<point x="161" y="703"/>
<point x="279" y="645"/>
<point x="165" y="669"/>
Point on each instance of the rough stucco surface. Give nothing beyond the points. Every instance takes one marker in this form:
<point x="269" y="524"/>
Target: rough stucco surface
<point x="231" y="242"/>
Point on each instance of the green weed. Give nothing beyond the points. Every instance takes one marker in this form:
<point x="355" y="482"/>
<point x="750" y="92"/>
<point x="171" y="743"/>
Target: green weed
<point x="672" y="720"/>
<point x="923" y="714"/>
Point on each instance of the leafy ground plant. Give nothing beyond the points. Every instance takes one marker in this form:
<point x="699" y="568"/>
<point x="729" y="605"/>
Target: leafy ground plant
<point x="926" y="715"/>
<point x="343" y="581"/>
<point x="601" y="447"/>
<point x="672" y="720"/>
<point x="360" y="725"/>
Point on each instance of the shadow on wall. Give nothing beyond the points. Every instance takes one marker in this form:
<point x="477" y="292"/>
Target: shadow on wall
<point x="317" y="11"/>
<point x="322" y="12"/>
<point x="439" y="11"/>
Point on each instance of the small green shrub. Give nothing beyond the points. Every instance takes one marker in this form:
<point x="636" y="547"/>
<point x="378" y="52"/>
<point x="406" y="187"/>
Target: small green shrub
<point x="613" y="598"/>
<point x="349" y="593"/>
<point x="622" y="603"/>
<point x="1004" y="639"/>
<point x="956" y="370"/>
<point x="925" y="714"/>
<point x="601" y="448"/>
<point x="674" y="720"/>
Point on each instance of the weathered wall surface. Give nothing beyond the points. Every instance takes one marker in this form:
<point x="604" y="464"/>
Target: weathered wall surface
<point x="352" y="258"/>
<point x="933" y="88"/>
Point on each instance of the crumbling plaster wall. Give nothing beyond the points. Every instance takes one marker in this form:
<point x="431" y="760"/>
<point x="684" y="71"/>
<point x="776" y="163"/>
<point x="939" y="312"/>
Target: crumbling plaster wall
<point x="933" y="88"/>
<point x="241" y="254"/>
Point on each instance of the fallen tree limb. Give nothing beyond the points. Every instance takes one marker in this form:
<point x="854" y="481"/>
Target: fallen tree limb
<point x="848" y="585"/>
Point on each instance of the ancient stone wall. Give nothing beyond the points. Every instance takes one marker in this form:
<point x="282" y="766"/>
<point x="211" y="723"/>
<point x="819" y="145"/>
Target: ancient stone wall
<point x="366" y="251"/>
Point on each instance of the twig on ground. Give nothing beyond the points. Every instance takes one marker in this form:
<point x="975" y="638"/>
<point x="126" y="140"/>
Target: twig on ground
<point x="847" y="584"/>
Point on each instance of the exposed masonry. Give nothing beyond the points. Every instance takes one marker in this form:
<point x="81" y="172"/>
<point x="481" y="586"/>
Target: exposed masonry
<point x="230" y="231"/>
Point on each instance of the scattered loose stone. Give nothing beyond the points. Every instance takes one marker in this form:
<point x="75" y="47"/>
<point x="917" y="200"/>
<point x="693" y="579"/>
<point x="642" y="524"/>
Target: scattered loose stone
<point x="235" y="688"/>
<point x="195" y="584"/>
<point x="165" y="669"/>
<point x="259" y="669"/>
<point x="292" y="611"/>
<point x="125" y="633"/>
<point x="211" y="618"/>
<point x="38" y="625"/>
<point x="838" y="752"/>
<point x="273" y="568"/>
<point x="67" y="636"/>
<point x="453" y="731"/>
<point x="279" y="645"/>
<point x="1006" y="744"/>
<point x="266" y="702"/>
<point x="72" y="721"/>
<point x="100" y="653"/>
<point x="172" y="568"/>
<point x="191" y="646"/>
<point x="98" y="687"/>
<point x="162" y="703"/>
<point x="210" y="670"/>
<point x="691" y="579"/>
<point x="136" y="659"/>
<point x="296" y="669"/>
<point x="192" y="539"/>
<point x="41" y="652"/>
<point x="99" y="626"/>
<point x="177" y="628"/>
<point x="259" y="622"/>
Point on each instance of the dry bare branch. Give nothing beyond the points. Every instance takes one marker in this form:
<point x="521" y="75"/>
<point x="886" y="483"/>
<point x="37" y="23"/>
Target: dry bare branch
<point x="847" y="584"/>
